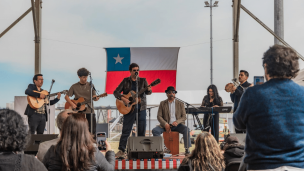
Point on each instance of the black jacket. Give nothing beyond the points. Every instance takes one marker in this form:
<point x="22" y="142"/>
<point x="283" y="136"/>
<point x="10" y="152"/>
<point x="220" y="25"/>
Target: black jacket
<point x="30" y="92"/>
<point x="126" y="85"/>
<point x="234" y="153"/>
<point x="53" y="161"/>
<point x="236" y="96"/>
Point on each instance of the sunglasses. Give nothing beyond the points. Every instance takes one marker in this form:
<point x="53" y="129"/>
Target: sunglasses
<point x="135" y="70"/>
<point x="169" y="92"/>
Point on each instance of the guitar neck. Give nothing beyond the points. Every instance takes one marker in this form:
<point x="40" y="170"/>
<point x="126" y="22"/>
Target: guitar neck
<point x="141" y="92"/>
<point x="102" y="95"/>
<point x="54" y="94"/>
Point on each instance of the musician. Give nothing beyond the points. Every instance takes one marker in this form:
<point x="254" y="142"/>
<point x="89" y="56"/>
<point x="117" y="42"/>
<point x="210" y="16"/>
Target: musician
<point x="83" y="89"/>
<point x="37" y="118"/>
<point x="171" y="116"/>
<point x="128" y="84"/>
<point x="237" y="92"/>
<point x="212" y="99"/>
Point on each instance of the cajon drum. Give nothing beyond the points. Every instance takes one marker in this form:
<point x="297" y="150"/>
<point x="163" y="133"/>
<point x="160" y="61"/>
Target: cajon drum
<point x="171" y="141"/>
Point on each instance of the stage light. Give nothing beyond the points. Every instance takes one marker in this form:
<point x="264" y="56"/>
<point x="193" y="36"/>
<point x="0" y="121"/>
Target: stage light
<point x="206" y="3"/>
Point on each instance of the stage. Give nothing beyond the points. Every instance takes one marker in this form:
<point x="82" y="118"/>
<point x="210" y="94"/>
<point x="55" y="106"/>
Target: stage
<point x="168" y="163"/>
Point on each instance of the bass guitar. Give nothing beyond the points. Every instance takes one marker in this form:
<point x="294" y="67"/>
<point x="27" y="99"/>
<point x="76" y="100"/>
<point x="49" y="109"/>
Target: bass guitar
<point x="81" y="103"/>
<point x="36" y="102"/>
<point x="124" y="108"/>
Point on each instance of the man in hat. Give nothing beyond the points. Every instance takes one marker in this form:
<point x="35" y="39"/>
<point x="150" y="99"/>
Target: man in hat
<point x="171" y="116"/>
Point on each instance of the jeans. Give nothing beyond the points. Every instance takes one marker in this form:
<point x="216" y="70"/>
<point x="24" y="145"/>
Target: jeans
<point x="213" y="123"/>
<point x="88" y="116"/>
<point x="37" y="123"/>
<point x="128" y="121"/>
<point x="182" y="129"/>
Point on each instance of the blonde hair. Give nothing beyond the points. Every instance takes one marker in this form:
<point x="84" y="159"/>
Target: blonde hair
<point x="207" y="154"/>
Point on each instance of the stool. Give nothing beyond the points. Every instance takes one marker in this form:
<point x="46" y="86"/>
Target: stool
<point x="171" y="141"/>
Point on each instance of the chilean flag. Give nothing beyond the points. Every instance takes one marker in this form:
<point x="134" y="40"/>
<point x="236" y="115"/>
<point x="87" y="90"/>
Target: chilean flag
<point x="154" y="62"/>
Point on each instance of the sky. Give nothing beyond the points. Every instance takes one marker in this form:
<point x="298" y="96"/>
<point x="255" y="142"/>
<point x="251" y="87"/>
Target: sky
<point x="74" y="33"/>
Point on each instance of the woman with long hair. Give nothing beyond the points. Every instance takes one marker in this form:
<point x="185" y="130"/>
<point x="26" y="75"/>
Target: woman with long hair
<point x="206" y="155"/>
<point x="13" y="139"/>
<point x="75" y="151"/>
<point x="212" y="99"/>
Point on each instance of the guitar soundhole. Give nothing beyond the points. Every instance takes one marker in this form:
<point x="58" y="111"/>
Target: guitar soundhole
<point x="130" y="99"/>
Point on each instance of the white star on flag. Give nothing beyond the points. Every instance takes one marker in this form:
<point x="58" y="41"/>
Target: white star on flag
<point x="118" y="59"/>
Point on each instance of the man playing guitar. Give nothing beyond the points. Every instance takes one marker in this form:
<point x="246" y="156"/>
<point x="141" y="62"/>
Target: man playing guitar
<point x="128" y="84"/>
<point x="83" y="89"/>
<point x="37" y="117"/>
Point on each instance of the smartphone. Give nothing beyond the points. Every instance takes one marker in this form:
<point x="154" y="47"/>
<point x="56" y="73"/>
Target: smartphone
<point x="101" y="138"/>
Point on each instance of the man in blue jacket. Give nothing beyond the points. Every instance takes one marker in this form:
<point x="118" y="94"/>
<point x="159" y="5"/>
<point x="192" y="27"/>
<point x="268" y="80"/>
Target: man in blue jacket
<point x="37" y="117"/>
<point x="273" y="115"/>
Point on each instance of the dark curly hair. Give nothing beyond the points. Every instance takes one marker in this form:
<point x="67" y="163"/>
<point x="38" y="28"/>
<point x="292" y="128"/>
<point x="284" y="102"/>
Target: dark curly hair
<point x="83" y="72"/>
<point x="13" y="132"/>
<point x="281" y="62"/>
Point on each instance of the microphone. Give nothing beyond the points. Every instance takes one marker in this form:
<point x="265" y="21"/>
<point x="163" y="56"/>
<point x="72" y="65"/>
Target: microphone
<point x="136" y="73"/>
<point x="53" y="80"/>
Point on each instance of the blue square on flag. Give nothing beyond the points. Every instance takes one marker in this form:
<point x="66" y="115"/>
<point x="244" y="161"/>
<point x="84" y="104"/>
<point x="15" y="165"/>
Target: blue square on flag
<point x="118" y="59"/>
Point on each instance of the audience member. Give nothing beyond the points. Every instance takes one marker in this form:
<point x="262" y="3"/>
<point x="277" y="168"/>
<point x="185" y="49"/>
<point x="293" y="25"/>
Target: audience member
<point x="76" y="151"/>
<point x="273" y="115"/>
<point x="233" y="151"/>
<point x="43" y="147"/>
<point x="205" y="156"/>
<point x="13" y="139"/>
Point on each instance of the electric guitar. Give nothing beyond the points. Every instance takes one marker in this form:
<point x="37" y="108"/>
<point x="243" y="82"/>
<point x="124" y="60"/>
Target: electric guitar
<point x="124" y="108"/>
<point x="36" y="102"/>
<point x="81" y="103"/>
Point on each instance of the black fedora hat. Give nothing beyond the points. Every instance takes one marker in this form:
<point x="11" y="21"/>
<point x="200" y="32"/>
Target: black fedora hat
<point x="171" y="88"/>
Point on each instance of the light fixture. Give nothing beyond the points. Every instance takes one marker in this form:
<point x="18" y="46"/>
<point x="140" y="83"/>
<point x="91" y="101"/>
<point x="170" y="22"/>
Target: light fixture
<point x="216" y="2"/>
<point x="206" y="3"/>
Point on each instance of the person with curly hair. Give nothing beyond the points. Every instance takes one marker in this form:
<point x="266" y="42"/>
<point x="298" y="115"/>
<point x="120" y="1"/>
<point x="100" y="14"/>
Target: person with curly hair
<point x="273" y="115"/>
<point x="83" y="89"/>
<point x="206" y="155"/>
<point x="13" y="139"/>
<point x="75" y="150"/>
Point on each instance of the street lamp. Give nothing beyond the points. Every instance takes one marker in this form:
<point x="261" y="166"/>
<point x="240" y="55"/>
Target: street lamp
<point x="211" y="6"/>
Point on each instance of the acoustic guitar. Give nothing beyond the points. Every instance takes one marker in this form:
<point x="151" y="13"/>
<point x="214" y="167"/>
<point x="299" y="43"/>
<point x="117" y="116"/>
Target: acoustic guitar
<point x="124" y="108"/>
<point x="81" y="103"/>
<point x="36" y="102"/>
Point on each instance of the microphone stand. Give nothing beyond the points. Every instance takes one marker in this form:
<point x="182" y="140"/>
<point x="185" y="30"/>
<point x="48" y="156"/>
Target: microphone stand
<point x="49" y="113"/>
<point x="91" y="114"/>
<point x="136" y="74"/>
<point x="149" y="109"/>
<point x="187" y="104"/>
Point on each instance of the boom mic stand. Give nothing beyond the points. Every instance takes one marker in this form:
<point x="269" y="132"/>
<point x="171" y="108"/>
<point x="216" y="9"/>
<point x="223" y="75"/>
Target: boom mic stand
<point x="187" y="104"/>
<point x="136" y="74"/>
<point x="149" y="109"/>
<point x="91" y="114"/>
<point x="49" y="113"/>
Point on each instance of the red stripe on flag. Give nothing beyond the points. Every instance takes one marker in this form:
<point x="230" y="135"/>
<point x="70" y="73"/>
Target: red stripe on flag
<point x="167" y="164"/>
<point x="160" y="161"/>
<point x="138" y="163"/>
<point x="145" y="163"/>
<point x="152" y="163"/>
<point x="167" y="77"/>
<point x="130" y="164"/>
<point x="174" y="164"/>
<point x="123" y="164"/>
<point x="116" y="164"/>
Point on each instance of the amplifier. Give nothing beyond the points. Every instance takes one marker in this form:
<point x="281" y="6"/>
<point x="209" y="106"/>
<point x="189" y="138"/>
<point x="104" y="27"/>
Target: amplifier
<point x="33" y="144"/>
<point x="145" y="147"/>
